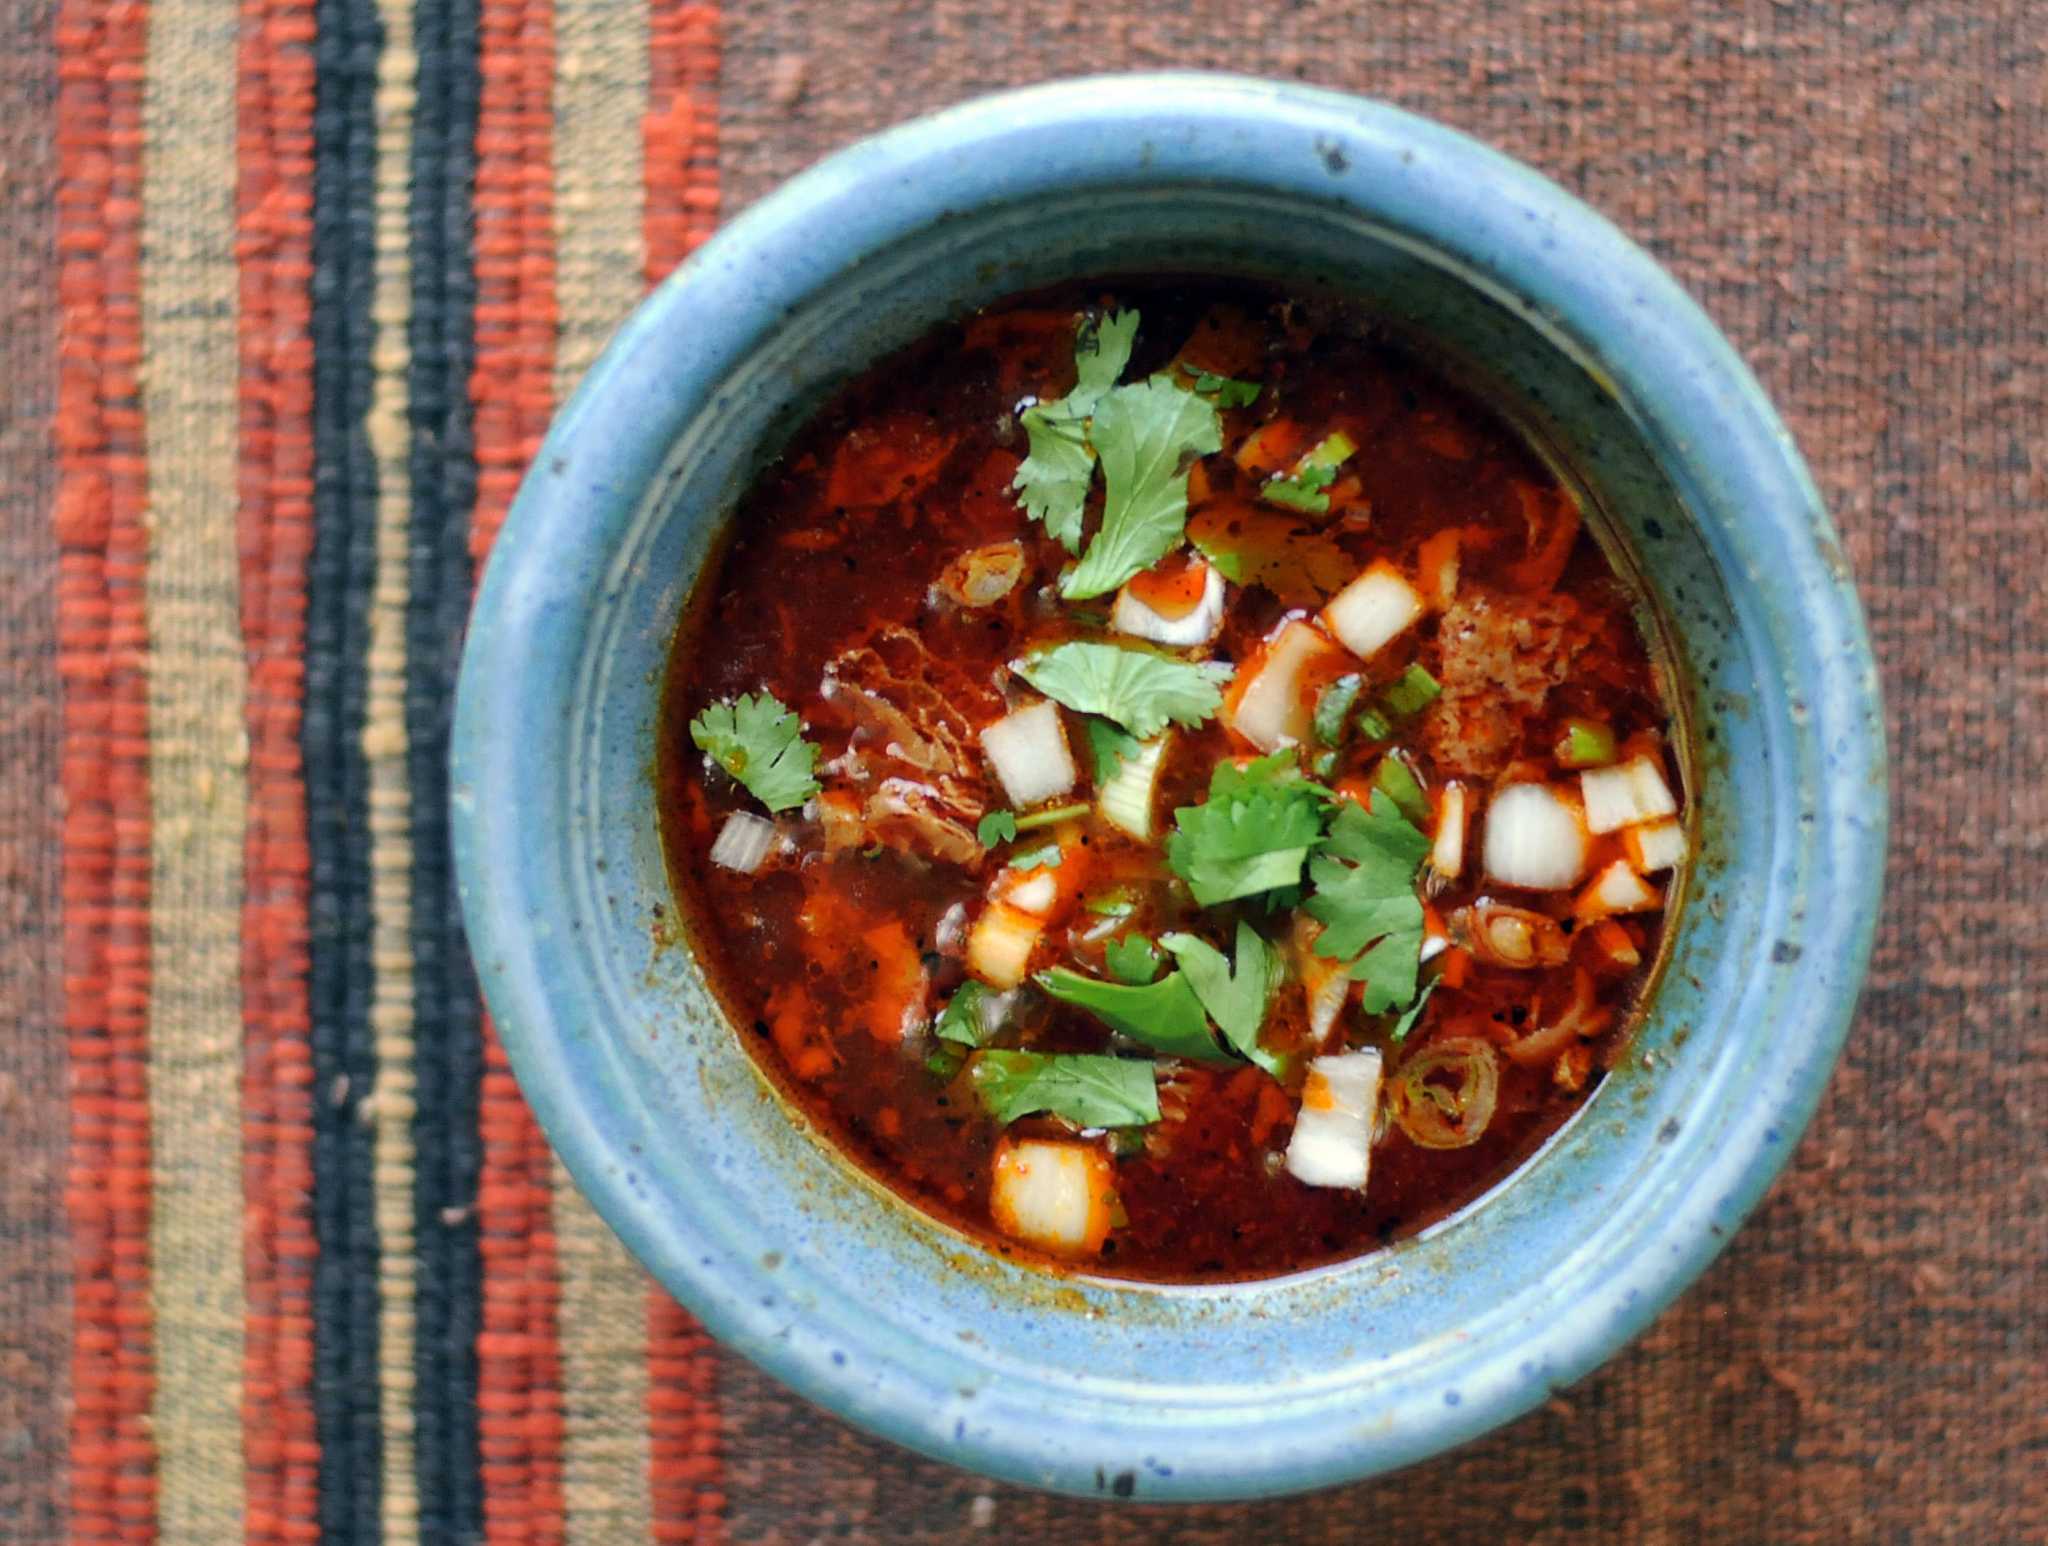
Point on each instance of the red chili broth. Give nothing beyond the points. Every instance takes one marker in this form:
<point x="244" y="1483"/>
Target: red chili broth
<point x="845" y="535"/>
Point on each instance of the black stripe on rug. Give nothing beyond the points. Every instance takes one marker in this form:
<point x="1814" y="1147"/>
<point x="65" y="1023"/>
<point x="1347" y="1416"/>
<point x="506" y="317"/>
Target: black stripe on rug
<point x="341" y="577"/>
<point x="448" y="1025"/>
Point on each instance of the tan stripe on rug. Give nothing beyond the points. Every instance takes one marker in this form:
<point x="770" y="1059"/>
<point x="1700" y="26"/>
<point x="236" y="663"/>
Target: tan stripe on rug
<point x="600" y="94"/>
<point x="394" y="1162"/>
<point x="198" y="766"/>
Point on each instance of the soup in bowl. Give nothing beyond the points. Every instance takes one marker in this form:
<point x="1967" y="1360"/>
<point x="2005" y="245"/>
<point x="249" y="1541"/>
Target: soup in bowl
<point x="1170" y="787"/>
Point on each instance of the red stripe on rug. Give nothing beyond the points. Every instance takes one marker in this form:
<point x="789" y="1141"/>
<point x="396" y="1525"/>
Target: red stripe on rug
<point x="273" y="250"/>
<point x="686" y="1432"/>
<point x="680" y="141"/>
<point x="103" y="640"/>
<point x="680" y="160"/>
<point x="519" y="1364"/>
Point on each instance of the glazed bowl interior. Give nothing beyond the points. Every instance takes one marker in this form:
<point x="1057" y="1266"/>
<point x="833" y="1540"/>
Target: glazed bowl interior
<point x="796" y="1259"/>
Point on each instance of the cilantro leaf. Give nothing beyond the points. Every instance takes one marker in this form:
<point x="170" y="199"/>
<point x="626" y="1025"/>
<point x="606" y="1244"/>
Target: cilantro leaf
<point x="1225" y="391"/>
<point x="1252" y="833"/>
<point x="1102" y="348"/>
<point x="1109" y="746"/>
<point x="1236" y="999"/>
<point x="1145" y="435"/>
<point x="960" y="1020"/>
<point x="1365" y="899"/>
<point x="996" y="827"/>
<point x="1164" y="1015"/>
<point x="1132" y="959"/>
<point x="1053" y="481"/>
<point x="1087" y="1089"/>
<point x="1412" y="1013"/>
<point x="1046" y="858"/>
<point x="760" y="742"/>
<point x="1139" y="690"/>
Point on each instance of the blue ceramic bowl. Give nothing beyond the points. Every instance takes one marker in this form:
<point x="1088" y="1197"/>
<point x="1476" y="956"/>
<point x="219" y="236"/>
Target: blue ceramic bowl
<point x="797" y="1260"/>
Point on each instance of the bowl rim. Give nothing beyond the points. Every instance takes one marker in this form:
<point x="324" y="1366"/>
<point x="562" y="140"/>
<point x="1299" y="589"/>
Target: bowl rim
<point x="1542" y="247"/>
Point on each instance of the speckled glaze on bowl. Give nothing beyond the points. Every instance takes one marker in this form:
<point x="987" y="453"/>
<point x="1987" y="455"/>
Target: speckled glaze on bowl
<point x="857" y="1301"/>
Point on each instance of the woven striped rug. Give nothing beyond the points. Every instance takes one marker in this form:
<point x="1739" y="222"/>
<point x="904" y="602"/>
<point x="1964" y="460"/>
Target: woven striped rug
<point x="288" y="290"/>
<point x="322" y="271"/>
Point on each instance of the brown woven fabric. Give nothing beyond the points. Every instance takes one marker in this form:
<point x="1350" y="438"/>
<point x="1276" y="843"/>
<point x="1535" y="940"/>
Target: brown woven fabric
<point x="1859" y="197"/>
<point x="1858" y="200"/>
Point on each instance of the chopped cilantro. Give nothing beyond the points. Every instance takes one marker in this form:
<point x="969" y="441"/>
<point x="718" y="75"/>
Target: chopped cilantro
<point x="1364" y="897"/>
<point x="1411" y="1014"/>
<point x="1145" y="434"/>
<point x="1109" y="746"/>
<point x="996" y="827"/>
<point x="1139" y="690"/>
<point x="760" y="742"/>
<point x="1303" y="489"/>
<point x="960" y="1020"/>
<point x="944" y="1063"/>
<point x="1225" y="391"/>
<point x="1053" y="482"/>
<point x="1236" y="999"/>
<point x="1132" y="959"/>
<point x="1164" y="1015"/>
<point x="1251" y="834"/>
<point x="1046" y="858"/>
<point x="1111" y="904"/>
<point x="1398" y="782"/>
<point x="1087" y="1089"/>
<point x="1142" y="434"/>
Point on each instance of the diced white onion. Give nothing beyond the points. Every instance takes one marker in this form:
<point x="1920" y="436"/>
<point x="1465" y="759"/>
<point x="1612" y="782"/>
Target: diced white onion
<point x="1035" y="894"/>
<point x="1199" y="626"/>
<point x="1058" y="1196"/>
<point x="1655" y="845"/>
<point x="1617" y="889"/>
<point x="1534" y="839"/>
<point x="743" y="842"/>
<point x="1373" y="610"/>
<point x="1332" y="1142"/>
<point x="1126" y="800"/>
<point x="1028" y="749"/>
<point x="1270" y="711"/>
<point x="999" y="949"/>
<point x="1447" y="852"/>
<point x="1625" y="795"/>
